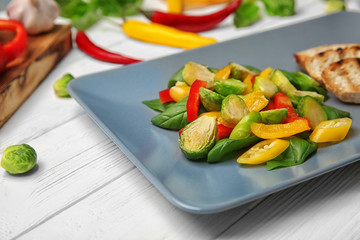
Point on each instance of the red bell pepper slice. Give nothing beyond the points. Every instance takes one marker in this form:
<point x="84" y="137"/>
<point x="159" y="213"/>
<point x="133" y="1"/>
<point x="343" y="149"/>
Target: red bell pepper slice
<point x="192" y="105"/>
<point x="16" y="46"/>
<point x="223" y="131"/>
<point x="253" y="78"/>
<point x="281" y="100"/>
<point x="165" y="96"/>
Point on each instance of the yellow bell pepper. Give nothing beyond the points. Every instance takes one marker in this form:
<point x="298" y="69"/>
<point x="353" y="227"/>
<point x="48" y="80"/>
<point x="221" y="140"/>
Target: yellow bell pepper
<point x="255" y="101"/>
<point x="175" y="6"/>
<point x="179" y="92"/>
<point x="223" y="73"/>
<point x="248" y="83"/>
<point x="264" y="151"/>
<point x="272" y="131"/>
<point x="331" y="130"/>
<point x="266" y="73"/>
<point x="164" y="35"/>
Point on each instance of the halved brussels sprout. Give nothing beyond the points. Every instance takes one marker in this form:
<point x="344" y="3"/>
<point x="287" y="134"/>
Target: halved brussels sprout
<point x="233" y="109"/>
<point x="310" y="108"/>
<point x="266" y="86"/>
<point x="282" y="82"/>
<point x="243" y="129"/>
<point x="210" y="99"/>
<point x="239" y="72"/>
<point x="198" y="137"/>
<point x="230" y="86"/>
<point x="295" y="96"/>
<point x="194" y="71"/>
<point x="274" y="116"/>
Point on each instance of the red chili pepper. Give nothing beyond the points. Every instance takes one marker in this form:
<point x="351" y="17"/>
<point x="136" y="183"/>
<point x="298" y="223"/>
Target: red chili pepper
<point x="84" y="44"/>
<point x="223" y="131"/>
<point x="192" y="23"/>
<point x="13" y="49"/>
<point x="192" y="104"/>
<point x="165" y="96"/>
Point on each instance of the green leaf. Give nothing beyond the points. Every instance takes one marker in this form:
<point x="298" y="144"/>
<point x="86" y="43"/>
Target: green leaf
<point x="176" y="77"/>
<point x="334" y="113"/>
<point x="246" y="14"/>
<point x="225" y="147"/>
<point x="295" y="154"/>
<point x="279" y="7"/>
<point x="174" y="117"/>
<point x="157" y="105"/>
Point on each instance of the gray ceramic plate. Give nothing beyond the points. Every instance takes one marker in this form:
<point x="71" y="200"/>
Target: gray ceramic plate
<point x="114" y="100"/>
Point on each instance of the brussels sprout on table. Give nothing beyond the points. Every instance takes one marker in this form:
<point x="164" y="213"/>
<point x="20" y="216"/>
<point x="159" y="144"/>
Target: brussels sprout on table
<point x="60" y="86"/>
<point x="18" y="159"/>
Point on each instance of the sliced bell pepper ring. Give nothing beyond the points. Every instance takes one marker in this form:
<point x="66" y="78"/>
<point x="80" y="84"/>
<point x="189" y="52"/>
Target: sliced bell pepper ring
<point x="264" y="151"/>
<point x="192" y="105"/>
<point x="331" y="130"/>
<point x="13" y="49"/>
<point x="165" y="96"/>
<point x="272" y="131"/>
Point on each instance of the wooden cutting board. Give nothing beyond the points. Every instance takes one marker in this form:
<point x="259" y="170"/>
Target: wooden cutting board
<point x="27" y="71"/>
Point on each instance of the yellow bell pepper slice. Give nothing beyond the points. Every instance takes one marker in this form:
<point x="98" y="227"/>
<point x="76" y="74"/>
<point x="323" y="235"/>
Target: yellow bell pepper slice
<point x="248" y="82"/>
<point x="179" y="92"/>
<point x="175" y="6"/>
<point x="255" y="101"/>
<point x="331" y="130"/>
<point x="264" y="151"/>
<point x="272" y="131"/>
<point x="211" y="114"/>
<point x="223" y="73"/>
<point x="266" y="73"/>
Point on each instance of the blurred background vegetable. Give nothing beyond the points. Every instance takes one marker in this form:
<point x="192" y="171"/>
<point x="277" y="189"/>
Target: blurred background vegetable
<point x="332" y="6"/>
<point x="85" y="14"/>
<point x="60" y="86"/>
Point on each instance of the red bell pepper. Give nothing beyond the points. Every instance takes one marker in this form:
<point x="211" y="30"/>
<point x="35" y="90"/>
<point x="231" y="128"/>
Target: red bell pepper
<point x="165" y="96"/>
<point x="223" y="131"/>
<point x="281" y="100"/>
<point x="192" y="105"/>
<point x="13" y="49"/>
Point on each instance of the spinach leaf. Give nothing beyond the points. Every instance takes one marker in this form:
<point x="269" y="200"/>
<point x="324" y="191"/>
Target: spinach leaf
<point x="295" y="154"/>
<point x="334" y="113"/>
<point x="176" y="77"/>
<point x="247" y="13"/>
<point x="225" y="147"/>
<point x="279" y="7"/>
<point x="174" y="117"/>
<point x="157" y="105"/>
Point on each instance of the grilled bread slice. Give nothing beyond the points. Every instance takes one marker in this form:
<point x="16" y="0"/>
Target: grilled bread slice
<point x="301" y="57"/>
<point x="315" y="65"/>
<point x="342" y="78"/>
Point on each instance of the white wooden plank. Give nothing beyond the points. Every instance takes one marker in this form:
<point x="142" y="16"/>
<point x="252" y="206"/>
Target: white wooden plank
<point x="324" y="208"/>
<point x="131" y="208"/>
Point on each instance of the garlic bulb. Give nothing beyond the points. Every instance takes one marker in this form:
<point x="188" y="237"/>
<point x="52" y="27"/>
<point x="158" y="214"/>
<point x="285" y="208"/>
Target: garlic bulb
<point x="37" y="15"/>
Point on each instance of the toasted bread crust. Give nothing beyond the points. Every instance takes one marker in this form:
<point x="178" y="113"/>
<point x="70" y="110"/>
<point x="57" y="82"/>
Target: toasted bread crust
<point x="342" y="78"/>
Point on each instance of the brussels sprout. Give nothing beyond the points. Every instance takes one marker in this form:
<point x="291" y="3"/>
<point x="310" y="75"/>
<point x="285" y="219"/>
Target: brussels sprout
<point x="274" y="116"/>
<point x="230" y="86"/>
<point x="266" y="86"/>
<point x="333" y="113"/>
<point x="18" y="159"/>
<point x="233" y="109"/>
<point x="242" y="129"/>
<point x="295" y="96"/>
<point x="332" y="6"/>
<point x="282" y="82"/>
<point x="198" y="137"/>
<point x="309" y="108"/>
<point x="238" y="71"/>
<point x="60" y="86"/>
<point x="195" y="71"/>
<point x="210" y="99"/>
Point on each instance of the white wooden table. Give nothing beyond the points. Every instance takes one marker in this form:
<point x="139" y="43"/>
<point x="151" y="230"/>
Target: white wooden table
<point x="84" y="187"/>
